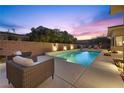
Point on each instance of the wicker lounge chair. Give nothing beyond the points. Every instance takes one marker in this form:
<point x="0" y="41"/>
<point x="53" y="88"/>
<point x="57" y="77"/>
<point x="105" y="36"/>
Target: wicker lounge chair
<point x="22" y="76"/>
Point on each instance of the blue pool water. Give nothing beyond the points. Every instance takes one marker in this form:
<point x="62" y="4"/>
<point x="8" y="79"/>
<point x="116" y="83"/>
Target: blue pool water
<point x="84" y="58"/>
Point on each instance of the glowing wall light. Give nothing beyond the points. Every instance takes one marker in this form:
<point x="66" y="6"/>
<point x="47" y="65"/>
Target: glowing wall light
<point x="54" y="47"/>
<point x="64" y="48"/>
<point x="120" y="52"/>
<point x="71" y="46"/>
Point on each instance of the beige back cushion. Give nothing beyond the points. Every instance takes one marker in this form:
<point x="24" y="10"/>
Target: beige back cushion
<point x="18" y="53"/>
<point x="23" y="61"/>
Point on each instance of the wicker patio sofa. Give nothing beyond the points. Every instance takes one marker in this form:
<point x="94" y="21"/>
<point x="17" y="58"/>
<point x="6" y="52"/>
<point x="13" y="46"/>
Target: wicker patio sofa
<point x="27" y="77"/>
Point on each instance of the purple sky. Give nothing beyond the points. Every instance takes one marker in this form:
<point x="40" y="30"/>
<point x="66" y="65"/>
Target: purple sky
<point x="84" y="22"/>
<point x="95" y="29"/>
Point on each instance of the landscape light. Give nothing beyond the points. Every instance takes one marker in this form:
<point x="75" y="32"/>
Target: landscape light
<point x="71" y="46"/>
<point x="64" y="48"/>
<point x="54" y="47"/>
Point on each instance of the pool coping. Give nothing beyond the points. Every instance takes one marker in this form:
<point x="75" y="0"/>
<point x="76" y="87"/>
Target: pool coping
<point x="85" y="68"/>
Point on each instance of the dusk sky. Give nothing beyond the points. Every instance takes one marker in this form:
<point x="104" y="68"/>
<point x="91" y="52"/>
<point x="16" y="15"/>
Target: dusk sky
<point x="84" y="22"/>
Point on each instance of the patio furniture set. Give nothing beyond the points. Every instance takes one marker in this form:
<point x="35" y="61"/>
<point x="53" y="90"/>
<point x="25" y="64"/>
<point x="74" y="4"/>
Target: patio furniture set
<point x="27" y="76"/>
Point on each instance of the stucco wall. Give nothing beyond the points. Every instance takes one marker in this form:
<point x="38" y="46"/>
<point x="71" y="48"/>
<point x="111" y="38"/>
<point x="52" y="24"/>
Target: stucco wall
<point x="117" y="48"/>
<point x="9" y="47"/>
<point x="116" y="31"/>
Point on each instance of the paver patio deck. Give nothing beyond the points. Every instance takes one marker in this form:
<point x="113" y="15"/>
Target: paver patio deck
<point x="102" y="73"/>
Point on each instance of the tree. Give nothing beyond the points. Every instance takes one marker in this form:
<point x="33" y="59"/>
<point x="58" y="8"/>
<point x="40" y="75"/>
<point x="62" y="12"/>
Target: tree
<point x="43" y="34"/>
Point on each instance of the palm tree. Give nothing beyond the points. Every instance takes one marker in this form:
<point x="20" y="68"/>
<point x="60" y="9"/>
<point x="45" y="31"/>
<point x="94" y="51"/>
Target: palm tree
<point x="8" y="30"/>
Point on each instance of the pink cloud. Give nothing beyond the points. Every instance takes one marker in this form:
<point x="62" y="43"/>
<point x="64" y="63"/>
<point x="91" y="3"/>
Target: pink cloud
<point x="97" y="28"/>
<point x="93" y="33"/>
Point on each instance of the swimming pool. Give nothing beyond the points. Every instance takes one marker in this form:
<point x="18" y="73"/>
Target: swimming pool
<point x="84" y="58"/>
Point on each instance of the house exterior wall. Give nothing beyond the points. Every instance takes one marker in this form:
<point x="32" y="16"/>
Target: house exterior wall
<point x="117" y="48"/>
<point x="116" y="31"/>
<point x="9" y="47"/>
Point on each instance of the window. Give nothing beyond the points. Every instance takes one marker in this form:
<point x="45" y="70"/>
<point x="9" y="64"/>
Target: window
<point x="119" y="41"/>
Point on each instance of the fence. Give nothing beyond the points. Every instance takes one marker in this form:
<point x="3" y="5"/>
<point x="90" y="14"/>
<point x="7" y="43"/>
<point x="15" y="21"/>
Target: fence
<point x="8" y="47"/>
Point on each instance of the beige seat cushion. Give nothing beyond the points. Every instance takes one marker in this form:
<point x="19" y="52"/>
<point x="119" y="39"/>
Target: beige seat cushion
<point x="43" y="58"/>
<point x="23" y="61"/>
